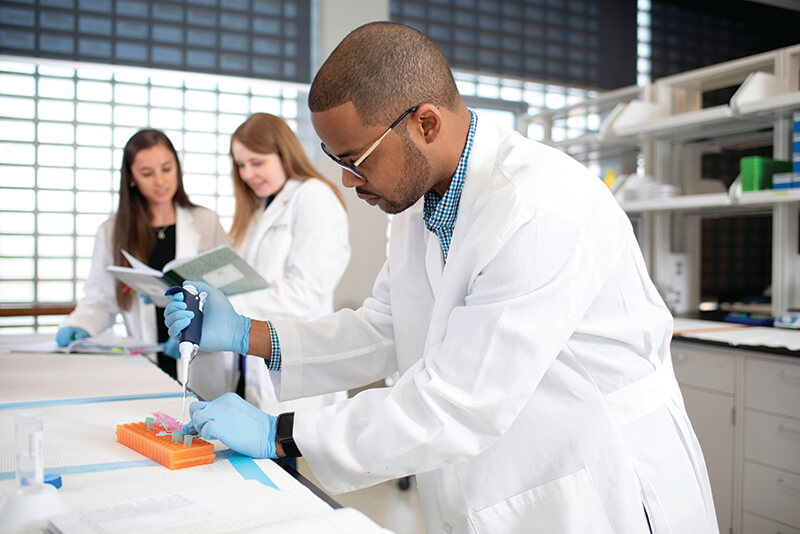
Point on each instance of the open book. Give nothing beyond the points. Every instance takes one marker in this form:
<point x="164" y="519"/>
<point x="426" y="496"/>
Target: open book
<point x="221" y="267"/>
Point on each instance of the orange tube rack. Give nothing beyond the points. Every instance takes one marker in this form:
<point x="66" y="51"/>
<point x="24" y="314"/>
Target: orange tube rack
<point x="162" y="449"/>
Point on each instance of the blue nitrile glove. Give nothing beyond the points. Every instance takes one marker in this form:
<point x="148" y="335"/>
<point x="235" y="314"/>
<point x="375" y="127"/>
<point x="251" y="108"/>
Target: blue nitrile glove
<point x="170" y="348"/>
<point x="236" y="423"/>
<point x="223" y="328"/>
<point x="145" y="298"/>
<point x="69" y="334"/>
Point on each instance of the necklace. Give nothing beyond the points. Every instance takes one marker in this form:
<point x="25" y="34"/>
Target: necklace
<point x="161" y="233"/>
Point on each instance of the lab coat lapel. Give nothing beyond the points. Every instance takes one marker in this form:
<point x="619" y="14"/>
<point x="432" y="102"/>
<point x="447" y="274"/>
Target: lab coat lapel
<point x="478" y="233"/>
<point x="433" y="261"/>
<point x="267" y="218"/>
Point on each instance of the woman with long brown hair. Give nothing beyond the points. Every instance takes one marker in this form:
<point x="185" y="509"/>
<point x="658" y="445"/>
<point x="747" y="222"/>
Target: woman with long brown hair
<point x="155" y="222"/>
<point x="291" y="225"/>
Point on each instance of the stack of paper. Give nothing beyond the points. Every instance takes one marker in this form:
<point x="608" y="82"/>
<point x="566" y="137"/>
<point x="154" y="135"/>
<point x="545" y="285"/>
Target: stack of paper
<point x="106" y="343"/>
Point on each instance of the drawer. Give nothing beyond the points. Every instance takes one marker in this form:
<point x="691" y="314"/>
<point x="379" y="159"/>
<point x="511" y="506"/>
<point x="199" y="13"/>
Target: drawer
<point x="752" y="524"/>
<point x="772" y="440"/>
<point x="773" y="386"/>
<point x="704" y="367"/>
<point x="772" y="493"/>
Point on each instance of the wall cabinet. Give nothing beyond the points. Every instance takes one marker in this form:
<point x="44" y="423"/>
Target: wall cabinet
<point x="745" y="408"/>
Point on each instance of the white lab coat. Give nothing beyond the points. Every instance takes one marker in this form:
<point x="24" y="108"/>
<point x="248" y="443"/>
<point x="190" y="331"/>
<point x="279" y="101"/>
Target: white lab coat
<point x="196" y="229"/>
<point x="536" y="391"/>
<point x="300" y="245"/>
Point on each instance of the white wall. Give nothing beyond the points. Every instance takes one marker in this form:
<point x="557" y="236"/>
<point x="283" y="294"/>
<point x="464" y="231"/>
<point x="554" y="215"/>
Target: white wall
<point x="335" y="19"/>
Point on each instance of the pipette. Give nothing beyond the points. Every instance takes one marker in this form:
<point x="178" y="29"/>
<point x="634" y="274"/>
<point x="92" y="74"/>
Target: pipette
<point x="190" y="337"/>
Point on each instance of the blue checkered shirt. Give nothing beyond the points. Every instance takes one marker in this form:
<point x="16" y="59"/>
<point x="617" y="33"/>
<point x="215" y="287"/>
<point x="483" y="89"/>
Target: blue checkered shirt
<point x="274" y="362"/>
<point x="439" y="213"/>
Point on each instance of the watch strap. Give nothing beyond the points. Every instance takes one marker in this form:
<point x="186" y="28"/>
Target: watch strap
<point x="283" y="434"/>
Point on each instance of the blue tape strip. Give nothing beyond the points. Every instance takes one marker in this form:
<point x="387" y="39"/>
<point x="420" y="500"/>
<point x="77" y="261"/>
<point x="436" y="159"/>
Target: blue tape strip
<point x="247" y="467"/>
<point x="244" y="465"/>
<point x="88" y="468"/>
<point x="87" y="400"/>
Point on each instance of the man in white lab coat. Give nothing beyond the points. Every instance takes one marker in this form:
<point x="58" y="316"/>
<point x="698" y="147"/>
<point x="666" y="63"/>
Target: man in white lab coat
<point x="536" y="391"/>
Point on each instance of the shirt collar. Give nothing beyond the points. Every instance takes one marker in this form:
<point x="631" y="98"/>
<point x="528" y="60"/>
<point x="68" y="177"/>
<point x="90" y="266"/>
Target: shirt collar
<point x="440" y="212"/>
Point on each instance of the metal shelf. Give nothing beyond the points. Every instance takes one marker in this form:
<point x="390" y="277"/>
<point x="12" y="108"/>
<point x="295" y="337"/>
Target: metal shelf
<point x="715" y="202"/>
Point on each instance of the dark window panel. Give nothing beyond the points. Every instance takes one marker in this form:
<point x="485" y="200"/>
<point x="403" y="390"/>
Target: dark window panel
<point x="94" y="25"/>
<point x="167" y="55"/>
<point x="263" y="38"/>
<point x="17" y="40"/>
<point x="95" y="48"/>
<point x="131" y="29"/>
<point x="167" y="33"/>
<point x="17" y="16"/>
<point x="98" y="6"/>
<point x="55" y="20"/>
<point x="56" y="44"/>
<point x="132" y="8"/>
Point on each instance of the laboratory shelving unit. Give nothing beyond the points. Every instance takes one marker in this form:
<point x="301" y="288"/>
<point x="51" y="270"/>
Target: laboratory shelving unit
<point x="744" y="404"/>
<point x="663" y="130"/>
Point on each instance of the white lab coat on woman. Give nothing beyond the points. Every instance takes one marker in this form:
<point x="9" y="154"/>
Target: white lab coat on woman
<point x="300" y="245"/>
<point x="536" y="391"/>
<point x="196" y="229"/>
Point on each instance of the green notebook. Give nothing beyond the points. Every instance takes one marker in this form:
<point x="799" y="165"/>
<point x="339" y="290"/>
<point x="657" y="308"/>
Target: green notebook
<point x="220" y="267"/>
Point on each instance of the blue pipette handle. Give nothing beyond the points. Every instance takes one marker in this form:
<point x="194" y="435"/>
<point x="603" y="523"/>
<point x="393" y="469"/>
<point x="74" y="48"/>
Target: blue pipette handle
<point x="194" y="302"/>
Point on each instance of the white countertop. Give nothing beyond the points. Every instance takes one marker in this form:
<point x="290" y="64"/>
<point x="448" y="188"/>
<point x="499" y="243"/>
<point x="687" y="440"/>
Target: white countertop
<point x="737" y="334"/>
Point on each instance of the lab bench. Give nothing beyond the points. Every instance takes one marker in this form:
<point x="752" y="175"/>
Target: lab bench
<point x="83" y="397"/>
<point x="741" y="387"/>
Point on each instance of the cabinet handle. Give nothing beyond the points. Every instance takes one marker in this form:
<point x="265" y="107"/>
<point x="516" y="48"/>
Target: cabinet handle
<point x="789" y="377"/>
<point x="787" y="430"/>
<point x="787" y="485"/>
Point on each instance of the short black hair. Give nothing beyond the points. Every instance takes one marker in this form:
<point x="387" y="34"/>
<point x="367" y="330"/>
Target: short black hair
<point x="384" y="68"/>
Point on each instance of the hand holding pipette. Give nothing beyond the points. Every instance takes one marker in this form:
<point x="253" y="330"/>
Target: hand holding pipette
<point x="190" y="336"/>
<point x="223" y="328"/>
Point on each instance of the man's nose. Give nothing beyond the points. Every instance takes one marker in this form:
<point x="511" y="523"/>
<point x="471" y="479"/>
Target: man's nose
<point x="351" y="180"/>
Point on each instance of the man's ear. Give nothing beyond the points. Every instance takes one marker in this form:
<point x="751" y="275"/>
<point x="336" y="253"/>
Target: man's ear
<point x="429" y="119"/>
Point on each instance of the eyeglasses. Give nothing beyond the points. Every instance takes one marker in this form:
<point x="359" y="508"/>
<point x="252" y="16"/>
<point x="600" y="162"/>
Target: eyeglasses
<point x="353" y="167"/>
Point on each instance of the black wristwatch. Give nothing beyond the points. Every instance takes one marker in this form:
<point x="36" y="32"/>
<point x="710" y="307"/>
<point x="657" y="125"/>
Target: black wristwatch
<point x="283" y="434"/>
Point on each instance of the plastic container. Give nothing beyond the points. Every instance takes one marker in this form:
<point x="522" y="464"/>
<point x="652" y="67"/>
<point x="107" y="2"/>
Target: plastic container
<point x="782" y="180"/>
<point x="757" y="171"/>
<point x="28" y="437"/>
<point x="162" y="449"/>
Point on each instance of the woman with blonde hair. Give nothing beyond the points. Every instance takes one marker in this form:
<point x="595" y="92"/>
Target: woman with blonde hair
<point x="155" y="222"/>
<point x="291" y="226"/>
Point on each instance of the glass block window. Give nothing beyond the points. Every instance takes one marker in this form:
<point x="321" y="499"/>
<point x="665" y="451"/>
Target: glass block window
<point x="255" y="38"/>
<point x="62" y="131"/>
<point x="643" y="49"/>
<point x="587" y="43"/>
<point x="511" y="101"/>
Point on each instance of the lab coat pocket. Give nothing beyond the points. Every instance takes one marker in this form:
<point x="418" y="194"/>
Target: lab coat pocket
<point x="568" y="505"/>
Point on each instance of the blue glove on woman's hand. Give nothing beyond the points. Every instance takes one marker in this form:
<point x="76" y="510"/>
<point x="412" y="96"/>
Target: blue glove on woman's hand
<point x="69" y="334"/>
<point x="223" y="328"/>
<point x="236" y="423"/>
<point x="170" y="348"/>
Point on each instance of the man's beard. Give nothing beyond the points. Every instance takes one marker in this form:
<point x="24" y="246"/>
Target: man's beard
<point x="413" y="181"/>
